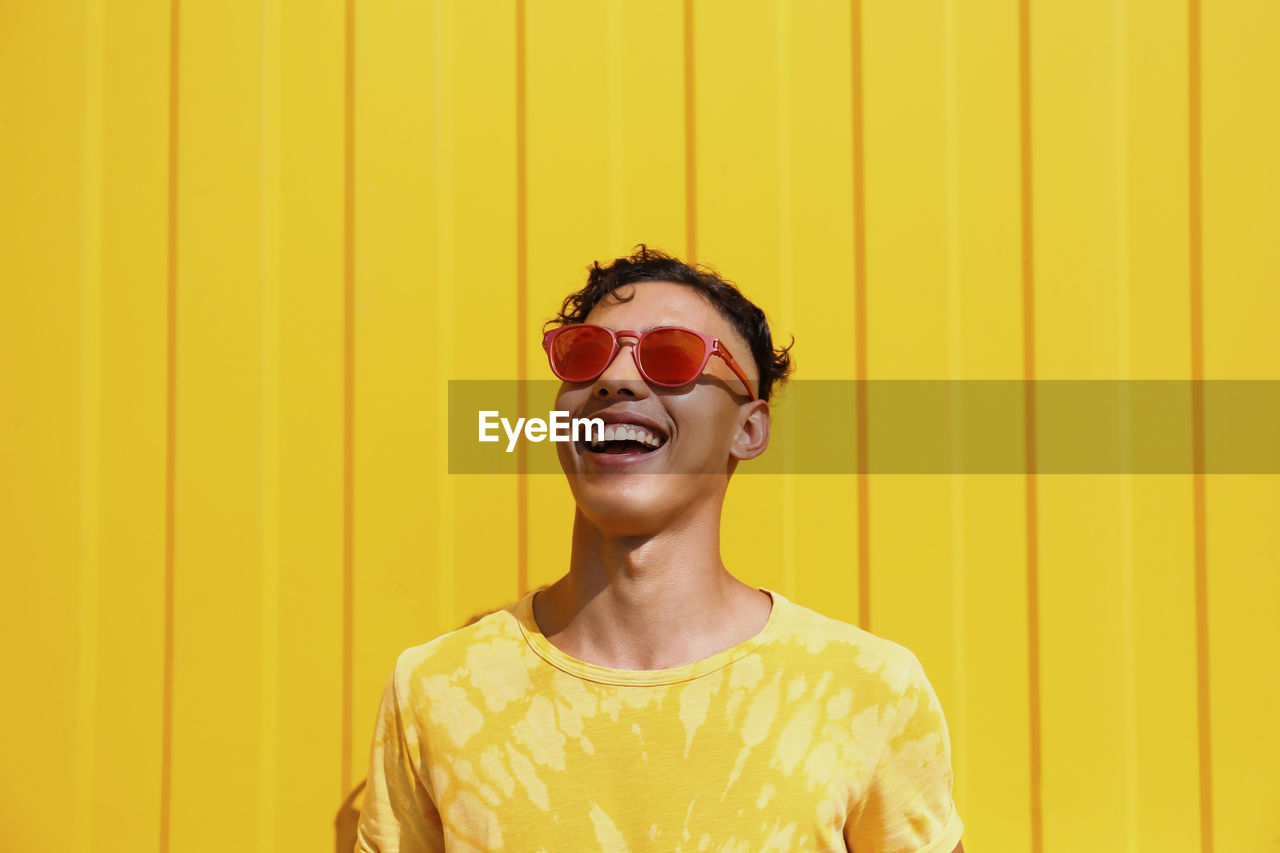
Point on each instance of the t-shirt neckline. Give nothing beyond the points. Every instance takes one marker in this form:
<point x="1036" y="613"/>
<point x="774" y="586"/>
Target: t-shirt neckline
<point x="645" y="677"/>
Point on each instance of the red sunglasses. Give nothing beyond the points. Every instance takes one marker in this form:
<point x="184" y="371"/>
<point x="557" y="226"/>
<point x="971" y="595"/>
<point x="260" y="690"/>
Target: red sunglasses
<point x="668" y="356"/>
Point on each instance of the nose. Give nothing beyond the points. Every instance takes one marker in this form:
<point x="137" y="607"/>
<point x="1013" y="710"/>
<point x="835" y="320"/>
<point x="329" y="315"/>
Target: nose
<point x="622" y="377"/>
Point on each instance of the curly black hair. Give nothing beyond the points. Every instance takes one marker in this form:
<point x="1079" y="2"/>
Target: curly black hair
<point x="646" y="264"/>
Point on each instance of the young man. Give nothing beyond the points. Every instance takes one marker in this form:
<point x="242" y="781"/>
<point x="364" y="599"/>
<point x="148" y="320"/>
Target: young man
<point x="649" y="700"/>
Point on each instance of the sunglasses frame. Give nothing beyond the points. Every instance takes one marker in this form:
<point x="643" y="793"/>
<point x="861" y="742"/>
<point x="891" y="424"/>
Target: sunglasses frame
<point x="710" y="346"/>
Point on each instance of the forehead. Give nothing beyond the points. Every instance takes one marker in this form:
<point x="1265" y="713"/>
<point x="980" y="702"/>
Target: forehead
<point x="648" y="304"/>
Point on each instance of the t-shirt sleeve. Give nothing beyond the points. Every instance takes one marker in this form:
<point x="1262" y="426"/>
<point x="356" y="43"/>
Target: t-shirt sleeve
<point x="398" y="815"/>
<point x="908" y="805"/>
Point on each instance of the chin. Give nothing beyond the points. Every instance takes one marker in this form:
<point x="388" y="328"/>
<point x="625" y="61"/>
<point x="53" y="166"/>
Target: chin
<point x="642" y="505"/>
<point x="635" y="508"/>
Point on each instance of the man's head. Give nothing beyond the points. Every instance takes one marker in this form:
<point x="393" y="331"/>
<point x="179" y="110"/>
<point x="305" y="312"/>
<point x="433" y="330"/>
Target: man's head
<point x="773" y="366"/>
<point x="701" y="430"/>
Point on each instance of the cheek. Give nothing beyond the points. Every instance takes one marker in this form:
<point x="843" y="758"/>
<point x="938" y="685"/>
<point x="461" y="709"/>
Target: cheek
<point x="570" y="399"/>
<point x="707" y="427"/>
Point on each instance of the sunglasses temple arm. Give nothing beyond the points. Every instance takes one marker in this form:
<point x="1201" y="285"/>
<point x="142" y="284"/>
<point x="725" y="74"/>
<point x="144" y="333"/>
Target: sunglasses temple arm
<point x="733" y="365"/>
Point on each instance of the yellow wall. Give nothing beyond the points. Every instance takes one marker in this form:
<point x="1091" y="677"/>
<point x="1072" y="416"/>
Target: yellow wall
<point x="239" y="241"/>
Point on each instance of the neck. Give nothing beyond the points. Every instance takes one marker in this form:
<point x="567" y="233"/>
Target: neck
<point x="649" y="602"/>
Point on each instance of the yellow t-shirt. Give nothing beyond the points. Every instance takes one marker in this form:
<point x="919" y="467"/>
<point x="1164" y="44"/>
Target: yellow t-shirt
<point x="812" y="735"/>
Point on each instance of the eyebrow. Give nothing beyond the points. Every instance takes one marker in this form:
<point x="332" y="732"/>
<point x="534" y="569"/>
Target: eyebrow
<point x="646" y="329"/>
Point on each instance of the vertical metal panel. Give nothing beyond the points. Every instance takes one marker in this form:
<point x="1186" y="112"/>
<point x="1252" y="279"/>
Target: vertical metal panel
<point x="1086" y="595"/>
<point x="988" y="712"/>
<point x="42" y="271"/>
<point x="308" y="328"/>
<point x="219" y="452"/>
<point x="481" y="279"/>
<point x="89" y="532"/>
<point x="647" y="144"/>
<point x="398" y="403"/>
<point x="1240" y="318"/>
<point x="132" y="362"/>
<point x="1160" y="754"/>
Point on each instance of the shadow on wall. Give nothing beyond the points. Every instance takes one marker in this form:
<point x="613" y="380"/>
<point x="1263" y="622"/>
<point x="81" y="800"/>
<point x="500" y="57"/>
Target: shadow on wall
<point x="348" y="818"/>
<point x="476" y="618"/>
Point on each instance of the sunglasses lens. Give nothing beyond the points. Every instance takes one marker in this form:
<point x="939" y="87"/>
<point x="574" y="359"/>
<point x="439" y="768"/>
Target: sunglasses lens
<point x="581" y="353"/>
<point x="672" y="356"/>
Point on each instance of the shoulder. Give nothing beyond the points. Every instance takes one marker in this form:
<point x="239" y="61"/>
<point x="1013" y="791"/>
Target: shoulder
<point x="477" y="655"/>
<point x="876" y="686"/>
<point x="851" y="654"/>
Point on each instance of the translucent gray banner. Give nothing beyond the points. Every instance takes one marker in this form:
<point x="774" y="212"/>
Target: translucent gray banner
<point x="935" y="427"/>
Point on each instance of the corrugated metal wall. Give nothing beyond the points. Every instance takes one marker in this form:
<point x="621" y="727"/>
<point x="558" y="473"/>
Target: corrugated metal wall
<point x="244" y="245"/>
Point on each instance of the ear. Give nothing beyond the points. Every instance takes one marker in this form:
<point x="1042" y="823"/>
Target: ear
<point x="753" y="431"/>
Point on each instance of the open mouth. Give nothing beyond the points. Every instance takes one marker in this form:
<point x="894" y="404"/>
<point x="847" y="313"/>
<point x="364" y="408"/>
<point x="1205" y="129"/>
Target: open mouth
<point x="625" y="439"/>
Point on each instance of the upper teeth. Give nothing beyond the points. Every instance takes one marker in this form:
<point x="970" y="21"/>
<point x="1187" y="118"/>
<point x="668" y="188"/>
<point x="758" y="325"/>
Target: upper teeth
<point x="627" y="432"/>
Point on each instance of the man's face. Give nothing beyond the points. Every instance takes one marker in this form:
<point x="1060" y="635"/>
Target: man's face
<point x="702" y="429"/>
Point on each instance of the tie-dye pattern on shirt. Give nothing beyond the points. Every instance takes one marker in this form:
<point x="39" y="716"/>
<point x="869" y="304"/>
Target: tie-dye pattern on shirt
<point x="814" y="735"/>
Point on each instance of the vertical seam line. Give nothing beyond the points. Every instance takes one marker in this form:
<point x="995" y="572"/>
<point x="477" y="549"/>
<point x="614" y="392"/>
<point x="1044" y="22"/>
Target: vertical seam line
<point x="348" y="390"/>
<point x="170" y="484"/>
<point x="1199" y="496"/>
<point x="1029" y="379"/>
<point x="522" y="303"/>
<point x="860" y="321"/>
<point x="690" y="137"/>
